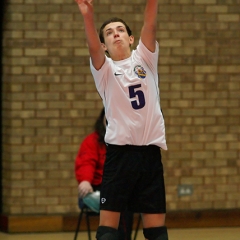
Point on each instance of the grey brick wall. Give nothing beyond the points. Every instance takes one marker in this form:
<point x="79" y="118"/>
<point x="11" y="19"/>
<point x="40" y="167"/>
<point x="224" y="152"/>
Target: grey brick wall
<point x="50" y="102"/>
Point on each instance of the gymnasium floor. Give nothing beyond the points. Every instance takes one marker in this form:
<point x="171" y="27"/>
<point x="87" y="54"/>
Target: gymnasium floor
<point x="174" y="234"/>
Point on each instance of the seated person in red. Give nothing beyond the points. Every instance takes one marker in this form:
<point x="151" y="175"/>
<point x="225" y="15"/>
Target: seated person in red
<point x="89" y="169"/>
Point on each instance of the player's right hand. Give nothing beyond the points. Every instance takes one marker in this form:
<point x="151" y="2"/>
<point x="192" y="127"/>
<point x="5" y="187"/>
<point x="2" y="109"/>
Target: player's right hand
<point x="85" y="6"/>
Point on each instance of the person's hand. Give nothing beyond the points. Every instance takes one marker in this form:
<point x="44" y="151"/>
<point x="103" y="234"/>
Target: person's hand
<point x="85" y="6"/>
<point x="84" y="188"/>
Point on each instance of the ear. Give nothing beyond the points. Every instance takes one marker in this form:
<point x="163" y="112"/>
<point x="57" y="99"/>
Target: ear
<point x="104" y="47"/>
<point x="131" y="39"/>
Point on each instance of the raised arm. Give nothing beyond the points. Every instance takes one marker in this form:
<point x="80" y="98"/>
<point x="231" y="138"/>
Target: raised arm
<point x="96" y="51"/>
<point x="148" y="33"/>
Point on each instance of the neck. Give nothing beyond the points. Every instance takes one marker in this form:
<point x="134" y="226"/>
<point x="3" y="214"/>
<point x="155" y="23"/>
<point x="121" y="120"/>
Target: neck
<point x="120" y="55"/>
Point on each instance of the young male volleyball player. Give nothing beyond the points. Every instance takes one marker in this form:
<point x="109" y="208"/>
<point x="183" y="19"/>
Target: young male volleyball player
<point x="127" y="82"/>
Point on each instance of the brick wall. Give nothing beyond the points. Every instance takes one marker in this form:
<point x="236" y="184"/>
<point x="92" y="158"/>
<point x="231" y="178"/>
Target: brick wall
<point x="50" y="102"/>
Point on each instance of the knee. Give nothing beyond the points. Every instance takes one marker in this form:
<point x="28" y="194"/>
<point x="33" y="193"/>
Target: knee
<point x="156" y="233"/>
<point x="106" y="233"/>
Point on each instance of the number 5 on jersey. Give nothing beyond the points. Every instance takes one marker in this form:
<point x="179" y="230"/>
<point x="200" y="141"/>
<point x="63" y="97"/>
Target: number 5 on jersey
<point x="134" y="92"/>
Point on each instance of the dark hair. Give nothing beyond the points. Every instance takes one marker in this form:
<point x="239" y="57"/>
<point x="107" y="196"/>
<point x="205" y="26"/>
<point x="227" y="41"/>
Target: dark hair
<point x="111" y="20"/>
<point x="99" y="126"/>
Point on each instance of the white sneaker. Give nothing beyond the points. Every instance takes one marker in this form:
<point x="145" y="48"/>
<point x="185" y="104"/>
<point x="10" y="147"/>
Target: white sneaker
<point x="92" y="200"/>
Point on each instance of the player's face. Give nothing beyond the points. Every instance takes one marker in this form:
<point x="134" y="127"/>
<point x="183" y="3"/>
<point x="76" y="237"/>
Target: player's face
<point x="116" y="37"/>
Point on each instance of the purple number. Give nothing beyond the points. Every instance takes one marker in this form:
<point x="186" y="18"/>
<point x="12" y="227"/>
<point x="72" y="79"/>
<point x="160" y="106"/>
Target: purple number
<point x="134" y="92"/>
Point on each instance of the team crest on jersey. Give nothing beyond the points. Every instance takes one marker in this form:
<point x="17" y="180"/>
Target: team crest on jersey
<point x="139" y="70"/>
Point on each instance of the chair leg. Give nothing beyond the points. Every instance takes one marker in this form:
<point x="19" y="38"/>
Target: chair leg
<point x="88" y="227"/>
<point x="137" y="227"/>
<point x="78" y="225"/>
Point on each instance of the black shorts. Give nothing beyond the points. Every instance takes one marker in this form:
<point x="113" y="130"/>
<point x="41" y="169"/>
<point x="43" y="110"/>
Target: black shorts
<point x="133" y="180"/>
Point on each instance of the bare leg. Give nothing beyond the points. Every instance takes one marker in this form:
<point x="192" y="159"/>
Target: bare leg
<point x="109" y="218"/>
<point x="153" y="226"/>
<point x="153" y="220"/>
<point x="108" y="224"/>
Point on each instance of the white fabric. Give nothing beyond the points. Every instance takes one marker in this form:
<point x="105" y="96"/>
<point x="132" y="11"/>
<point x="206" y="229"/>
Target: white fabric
<point x="121" y="89"/>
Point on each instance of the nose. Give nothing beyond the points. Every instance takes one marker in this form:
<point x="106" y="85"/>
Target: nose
<point x="116" y="34"/>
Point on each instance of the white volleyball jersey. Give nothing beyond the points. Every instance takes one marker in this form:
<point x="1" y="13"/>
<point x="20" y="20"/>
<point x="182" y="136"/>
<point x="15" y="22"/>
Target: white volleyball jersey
<point x="130" y="94"/>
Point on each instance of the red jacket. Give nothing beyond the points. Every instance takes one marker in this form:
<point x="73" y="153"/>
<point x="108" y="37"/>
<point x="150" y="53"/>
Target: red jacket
<point x="90" y="160"/>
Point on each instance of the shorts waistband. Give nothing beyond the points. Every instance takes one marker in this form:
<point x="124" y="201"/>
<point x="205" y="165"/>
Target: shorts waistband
<point x="129" y="147"/>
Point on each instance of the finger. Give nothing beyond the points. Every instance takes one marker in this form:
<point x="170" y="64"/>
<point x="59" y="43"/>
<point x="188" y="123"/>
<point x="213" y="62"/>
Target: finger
<point x="82" y="194"/>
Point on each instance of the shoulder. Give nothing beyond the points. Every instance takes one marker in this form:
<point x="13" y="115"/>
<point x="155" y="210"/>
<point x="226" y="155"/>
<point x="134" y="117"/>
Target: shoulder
<point x="90" y="141"/>
<point x="108" y="61"/>
<point x="92" y="137"/>
<point x="144" y="48"/>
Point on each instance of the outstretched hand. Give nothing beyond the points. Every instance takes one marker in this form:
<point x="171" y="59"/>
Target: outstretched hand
<point x="85" y="6"/>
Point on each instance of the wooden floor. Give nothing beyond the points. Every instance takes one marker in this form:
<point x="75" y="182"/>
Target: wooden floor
<point x="174" y="234"/>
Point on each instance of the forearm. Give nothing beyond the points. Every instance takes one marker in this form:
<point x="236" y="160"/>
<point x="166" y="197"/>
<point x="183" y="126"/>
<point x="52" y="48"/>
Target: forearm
<point x="148" y="33"/>
<point x="94" y="45"/>
<point x="84" y="172"/>
<point x="150" y="13"/>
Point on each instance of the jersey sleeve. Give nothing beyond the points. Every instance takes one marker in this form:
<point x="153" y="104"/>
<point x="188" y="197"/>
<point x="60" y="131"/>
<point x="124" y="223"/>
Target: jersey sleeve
<point x="150" y="58"/>
<point x="100" y="75"/>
